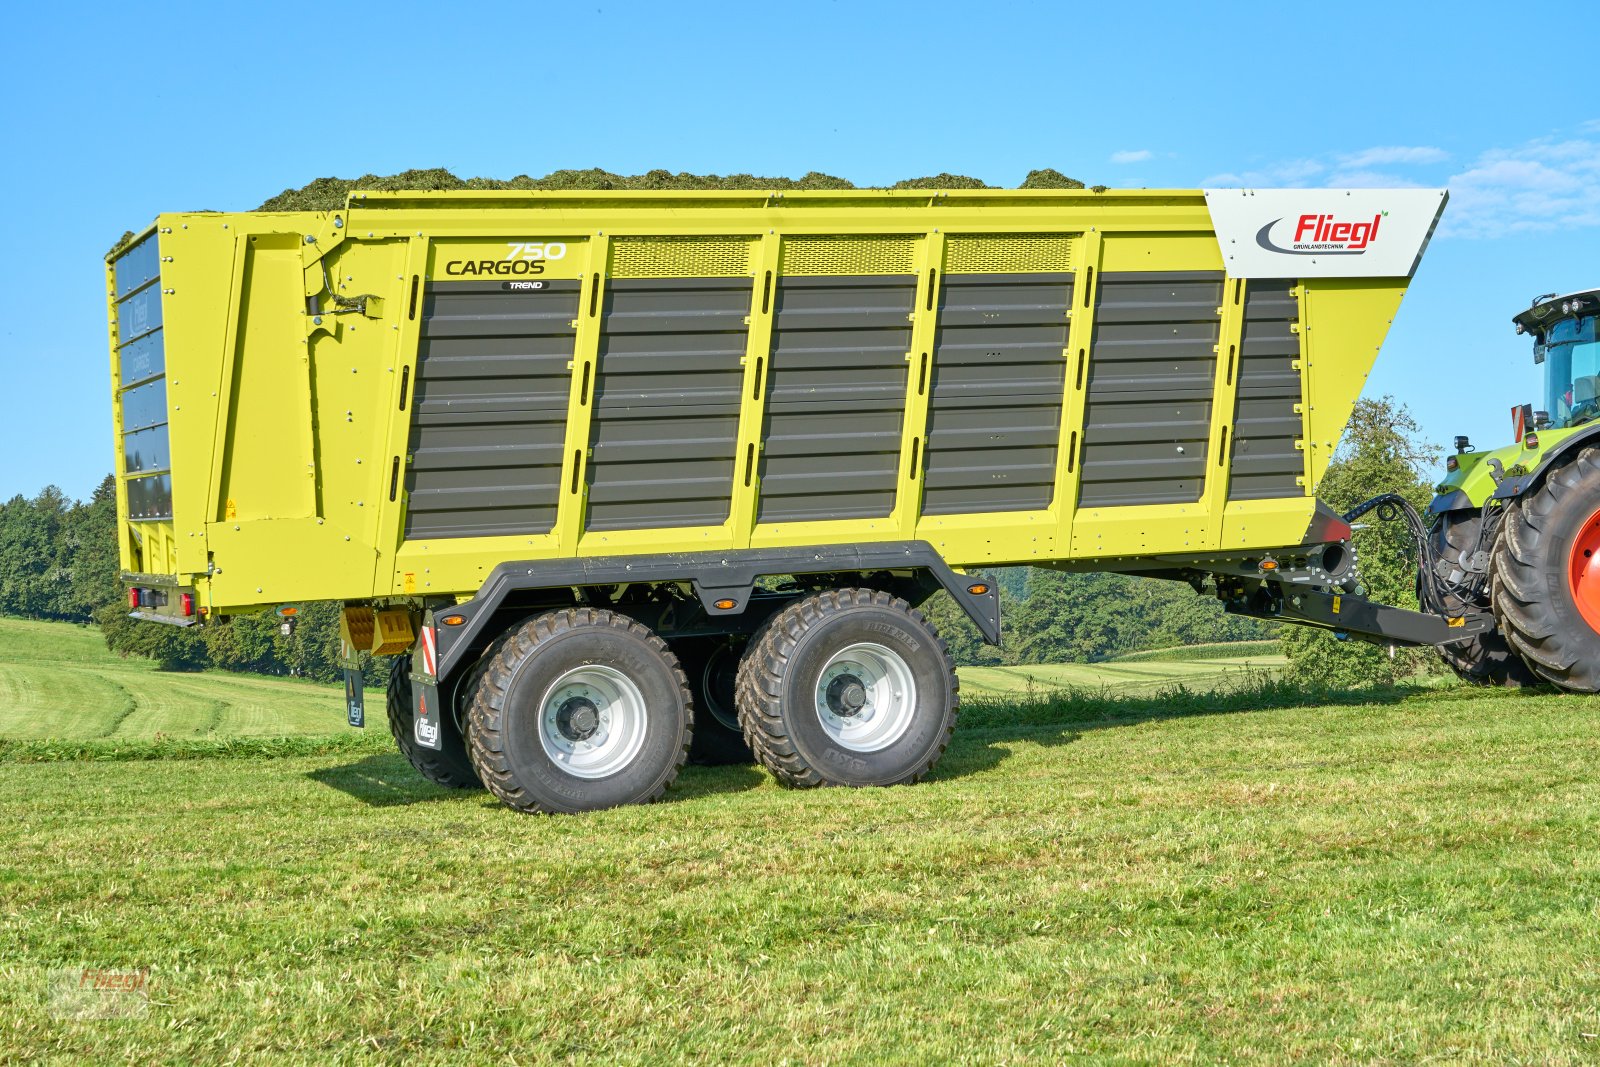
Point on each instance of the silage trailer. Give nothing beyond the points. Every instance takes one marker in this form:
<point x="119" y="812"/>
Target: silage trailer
<point x="607" y="471"/>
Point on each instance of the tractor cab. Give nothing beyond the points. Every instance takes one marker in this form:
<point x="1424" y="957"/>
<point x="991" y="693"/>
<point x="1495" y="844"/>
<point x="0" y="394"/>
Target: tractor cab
<point x="1566" y="341"/>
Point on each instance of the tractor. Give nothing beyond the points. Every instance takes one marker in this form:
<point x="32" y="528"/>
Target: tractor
<point x="1516" y="530"/>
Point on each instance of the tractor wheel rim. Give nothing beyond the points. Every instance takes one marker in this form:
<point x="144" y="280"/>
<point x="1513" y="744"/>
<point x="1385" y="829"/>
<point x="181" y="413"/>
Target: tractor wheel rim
<point x="866" y="697"/>
<point x="1584" y="572"/>
<point x="592" y="721"/>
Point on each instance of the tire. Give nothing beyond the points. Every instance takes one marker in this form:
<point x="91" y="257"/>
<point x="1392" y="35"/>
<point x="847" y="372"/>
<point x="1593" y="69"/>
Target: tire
<point x="1549" y="612"/>
<point x="1488" y="659"/>
<point x="450" y="766"/>
<point x="712" y="666"/>
<point x="579" y="710"/>
<point x="848" y="687"/>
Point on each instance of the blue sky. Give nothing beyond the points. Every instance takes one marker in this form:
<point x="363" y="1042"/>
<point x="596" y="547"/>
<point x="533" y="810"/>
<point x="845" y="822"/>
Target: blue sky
<point x="113" y="113"/>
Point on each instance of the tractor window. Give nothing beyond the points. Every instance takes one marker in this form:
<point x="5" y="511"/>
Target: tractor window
<point x="1572" y="372"/>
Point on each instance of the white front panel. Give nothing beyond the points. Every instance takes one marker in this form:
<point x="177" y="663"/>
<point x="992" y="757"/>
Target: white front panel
<point x="1324" y="233"/>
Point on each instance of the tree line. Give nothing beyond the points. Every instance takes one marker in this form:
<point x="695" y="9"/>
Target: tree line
<point x="58" y="560"/>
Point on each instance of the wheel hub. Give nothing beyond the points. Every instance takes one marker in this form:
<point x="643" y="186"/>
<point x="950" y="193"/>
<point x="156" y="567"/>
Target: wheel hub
<point x="1584" y="571"/>
<point x="846" y="695"/>
<point x="866" y="697"/>
<point x="592" y="721"/>
<point x="578" y="719"/>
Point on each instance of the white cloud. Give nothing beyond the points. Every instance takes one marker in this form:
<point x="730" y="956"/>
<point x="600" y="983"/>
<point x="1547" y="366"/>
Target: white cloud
<point x="1132" y="155"/>
<point x="1388" y="155"/>
<point x="1288" y="173"/>
<point x="1542" y="185"/>
<point x="1546" y="184"/>
<point x="1371" y="179"/>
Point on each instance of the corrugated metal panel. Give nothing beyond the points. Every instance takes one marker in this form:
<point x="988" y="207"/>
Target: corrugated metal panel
<point x="835" y="397"/>
<point x="666" y="414"/>
<point x="141" y="381"/>
<point x="1151" y="377"/>
<point x="1265" y="462"/>
<point x="994" y="416"/>
<point x="138" y="264"/>
<point x="490" y="409"/>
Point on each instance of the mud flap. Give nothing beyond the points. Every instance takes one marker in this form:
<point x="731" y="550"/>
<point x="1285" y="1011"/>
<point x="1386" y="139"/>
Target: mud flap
<point x="355" y="697"/>
<point x="425" y="714"/>
<point x="425" y="709"/>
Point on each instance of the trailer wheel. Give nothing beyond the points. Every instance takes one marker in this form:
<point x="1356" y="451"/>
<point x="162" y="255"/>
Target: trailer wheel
<point x="581" y="709"/>
<point x="848" y="687"/>
<point x="1487" y="659"/>
<point x="712" y="666"/>
<point x="1547" y="575"/>
<point x="450" y="765"/>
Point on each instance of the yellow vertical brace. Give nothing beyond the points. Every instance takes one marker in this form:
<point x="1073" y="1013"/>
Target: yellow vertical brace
<point x="753" y="400"/>
<point x="1306" y="441"/>
<point x="919" y="385"/>
<point x="232" y="341"/>
<point x="1080" y="338"/>
<point x="574" y="491"/>
<point x="405" y="337"/>
<point x="1224" y="391"/>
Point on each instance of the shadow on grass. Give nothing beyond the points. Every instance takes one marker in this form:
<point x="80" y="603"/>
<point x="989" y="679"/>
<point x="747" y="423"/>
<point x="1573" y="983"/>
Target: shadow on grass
<point x="388" y="780"/>
<point x="1057" y="717"/>
<point x="382" y="781"/>
<point x="1060" y="717"/>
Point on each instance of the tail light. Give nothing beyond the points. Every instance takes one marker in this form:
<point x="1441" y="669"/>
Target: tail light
<point x="133" y="599"/>
<point x="186" y="604"/>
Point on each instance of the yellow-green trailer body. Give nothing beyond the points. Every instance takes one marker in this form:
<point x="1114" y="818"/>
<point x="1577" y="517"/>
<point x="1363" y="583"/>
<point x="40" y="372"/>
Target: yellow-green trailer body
<point x="389" y="400"/>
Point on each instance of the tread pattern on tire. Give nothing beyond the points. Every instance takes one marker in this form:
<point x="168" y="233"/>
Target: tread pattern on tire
<point x="1522" y="573"/>
<point x="486" y="717"/>
<point x="437" y="767"/>
<point x="761" y="674"/>
<point x="1488" y="659"/>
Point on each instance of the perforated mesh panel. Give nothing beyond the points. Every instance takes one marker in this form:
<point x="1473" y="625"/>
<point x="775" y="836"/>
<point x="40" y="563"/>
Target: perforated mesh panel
<point x="852" y="255"/>
<point x="1023" y="253"/>
<point x="680" y="257"/>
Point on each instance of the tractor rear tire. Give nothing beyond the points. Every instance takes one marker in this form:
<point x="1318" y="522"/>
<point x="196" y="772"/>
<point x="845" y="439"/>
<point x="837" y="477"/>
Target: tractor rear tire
<point x="450" y="765"/>
<point x="581" y="709"/>
<point x="1547" y="575"/>
<point x="848" y="687"/>
<point x="1487" y="659"/>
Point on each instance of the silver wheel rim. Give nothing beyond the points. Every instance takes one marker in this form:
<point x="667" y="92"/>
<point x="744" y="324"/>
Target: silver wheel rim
<point x="866" y="697"/>
<point x="592" y="721"/>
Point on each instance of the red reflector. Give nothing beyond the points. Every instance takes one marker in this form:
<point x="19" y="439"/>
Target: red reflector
<point x="186" y="604"/>
<point x="133" y="599"/>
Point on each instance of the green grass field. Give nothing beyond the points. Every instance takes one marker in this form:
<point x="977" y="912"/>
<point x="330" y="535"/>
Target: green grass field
<point x="58" y="682"/>
<point x="1123" y="877"/>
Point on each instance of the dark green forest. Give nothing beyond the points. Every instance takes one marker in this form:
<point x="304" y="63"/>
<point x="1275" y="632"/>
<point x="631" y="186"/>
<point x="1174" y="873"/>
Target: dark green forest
<point x="58" y="560"/>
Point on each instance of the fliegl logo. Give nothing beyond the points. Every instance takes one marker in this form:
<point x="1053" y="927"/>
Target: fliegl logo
<point x="1320" y="235"/>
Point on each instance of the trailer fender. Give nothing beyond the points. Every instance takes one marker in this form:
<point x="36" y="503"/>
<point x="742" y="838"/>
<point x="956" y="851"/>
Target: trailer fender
<point x="723" y="582"/>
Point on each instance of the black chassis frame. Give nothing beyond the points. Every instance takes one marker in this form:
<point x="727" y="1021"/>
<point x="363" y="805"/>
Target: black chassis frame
<point x="913" y="570"/>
